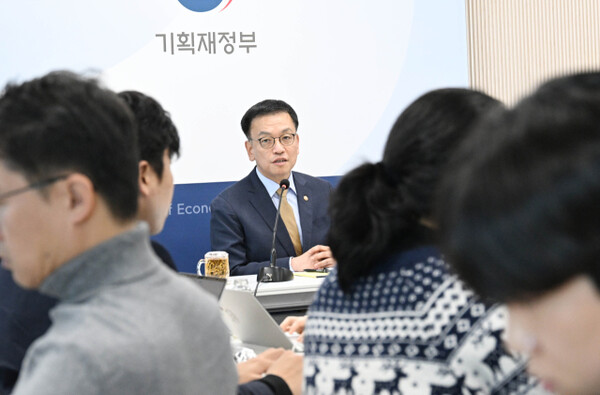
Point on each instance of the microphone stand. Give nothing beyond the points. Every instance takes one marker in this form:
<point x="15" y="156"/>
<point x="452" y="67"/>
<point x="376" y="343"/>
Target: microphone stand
<point x="275" y="273"/>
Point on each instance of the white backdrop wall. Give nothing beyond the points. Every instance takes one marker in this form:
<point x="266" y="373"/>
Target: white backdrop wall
<point x="348" y="67"/>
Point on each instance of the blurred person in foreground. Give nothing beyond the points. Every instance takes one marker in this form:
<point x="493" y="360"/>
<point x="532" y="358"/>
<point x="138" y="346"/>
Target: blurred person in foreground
<point x="519" y="217"/>
<point x="124" y="322"/>
<point x="392" y="317"/>
<point x="24" y="313"/>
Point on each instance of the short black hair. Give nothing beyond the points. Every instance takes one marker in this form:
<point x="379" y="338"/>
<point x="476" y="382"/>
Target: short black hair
<point x="376" y="208"/>
<point x="63" y="122"/>
<point x="520" y="213"/>
<point x="267" y="107"/>
<point x="156" y="131"/>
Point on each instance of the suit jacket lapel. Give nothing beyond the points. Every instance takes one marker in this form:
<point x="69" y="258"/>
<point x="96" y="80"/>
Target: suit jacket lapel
<point x="261" y="201"/>
<point x="305" y="209"/>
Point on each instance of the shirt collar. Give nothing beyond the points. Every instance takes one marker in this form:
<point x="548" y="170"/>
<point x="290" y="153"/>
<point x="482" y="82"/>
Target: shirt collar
<point x="272" y="186"/>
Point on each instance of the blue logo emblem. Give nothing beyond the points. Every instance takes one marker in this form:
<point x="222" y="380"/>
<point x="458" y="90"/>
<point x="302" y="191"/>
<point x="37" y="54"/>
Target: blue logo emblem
<point x="203" y="5"/>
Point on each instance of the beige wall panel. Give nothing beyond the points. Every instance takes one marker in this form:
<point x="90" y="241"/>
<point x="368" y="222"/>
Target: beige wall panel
<point x="516" y="44"/>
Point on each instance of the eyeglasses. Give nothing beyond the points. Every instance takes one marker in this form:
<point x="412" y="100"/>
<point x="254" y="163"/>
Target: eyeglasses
<point x="35" y="185"/>
<point x="268" y="142"/>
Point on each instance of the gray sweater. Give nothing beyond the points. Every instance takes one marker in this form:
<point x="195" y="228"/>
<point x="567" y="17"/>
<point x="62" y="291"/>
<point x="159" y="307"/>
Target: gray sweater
<point x="126" y="324"/>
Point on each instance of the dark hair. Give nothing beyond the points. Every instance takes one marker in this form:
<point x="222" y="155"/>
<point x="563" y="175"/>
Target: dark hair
<point x="63" y="122"/>
<point x="156" y="131"/>
<point x="521" y="216"/>
<point x="376" y="208"/>
<point x="267" y="107"/>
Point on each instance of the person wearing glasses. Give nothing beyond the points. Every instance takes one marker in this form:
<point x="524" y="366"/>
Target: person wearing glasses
<point x="243" y="215"/>
<point x="68" y="228"/>
<point x="24" y="313"/>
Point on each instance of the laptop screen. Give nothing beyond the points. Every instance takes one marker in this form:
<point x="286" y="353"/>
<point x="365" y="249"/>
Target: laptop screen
<point x="248" y="320"/>
<point x="212" y="285"/>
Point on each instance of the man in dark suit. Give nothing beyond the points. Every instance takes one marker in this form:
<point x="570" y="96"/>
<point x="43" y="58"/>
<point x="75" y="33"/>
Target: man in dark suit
<point x="243" y="215"/>
<point x="23" y="318"/>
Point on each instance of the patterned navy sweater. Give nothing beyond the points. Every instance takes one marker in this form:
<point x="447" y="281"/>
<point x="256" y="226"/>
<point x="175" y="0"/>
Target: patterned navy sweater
<point x="409" y="327"/>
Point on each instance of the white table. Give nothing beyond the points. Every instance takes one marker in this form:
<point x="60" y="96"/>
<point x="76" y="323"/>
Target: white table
<point x="282" y="296"/>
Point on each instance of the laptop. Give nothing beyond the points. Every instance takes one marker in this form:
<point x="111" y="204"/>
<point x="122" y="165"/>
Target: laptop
<point x="213" y="285"/>
<point x="248" y="320"/>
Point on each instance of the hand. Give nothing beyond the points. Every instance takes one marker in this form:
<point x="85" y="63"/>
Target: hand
<point x="256" y="368"/>
<point x="289" y="367"/>
<point x="293" y="324"/>
<point x="317" y="257"/>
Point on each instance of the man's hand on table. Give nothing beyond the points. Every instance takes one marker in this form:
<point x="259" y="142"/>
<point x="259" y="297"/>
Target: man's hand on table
<point x="318" y="257"/>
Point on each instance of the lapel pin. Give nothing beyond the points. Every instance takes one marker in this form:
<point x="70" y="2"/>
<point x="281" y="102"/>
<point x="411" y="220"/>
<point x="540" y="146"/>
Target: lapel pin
<point x="305" y="198"/>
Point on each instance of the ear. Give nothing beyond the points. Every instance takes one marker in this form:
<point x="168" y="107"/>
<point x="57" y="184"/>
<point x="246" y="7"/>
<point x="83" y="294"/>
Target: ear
<point x="250" y="150"/>
<point x="146" y="177"/>
<point x="298" y="142"/>
<point x="81" y="197"/>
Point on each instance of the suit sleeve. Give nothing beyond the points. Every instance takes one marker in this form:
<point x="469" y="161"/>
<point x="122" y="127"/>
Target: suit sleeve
<point x="227" y="234"/>
<point x="163" y="254"/>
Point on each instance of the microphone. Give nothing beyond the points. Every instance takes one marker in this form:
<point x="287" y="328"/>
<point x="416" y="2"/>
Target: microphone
<point x="274" y="273"/>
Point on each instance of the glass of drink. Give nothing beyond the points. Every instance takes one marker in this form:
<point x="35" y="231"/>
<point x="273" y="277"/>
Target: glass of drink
<point x="216" y="264"/>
